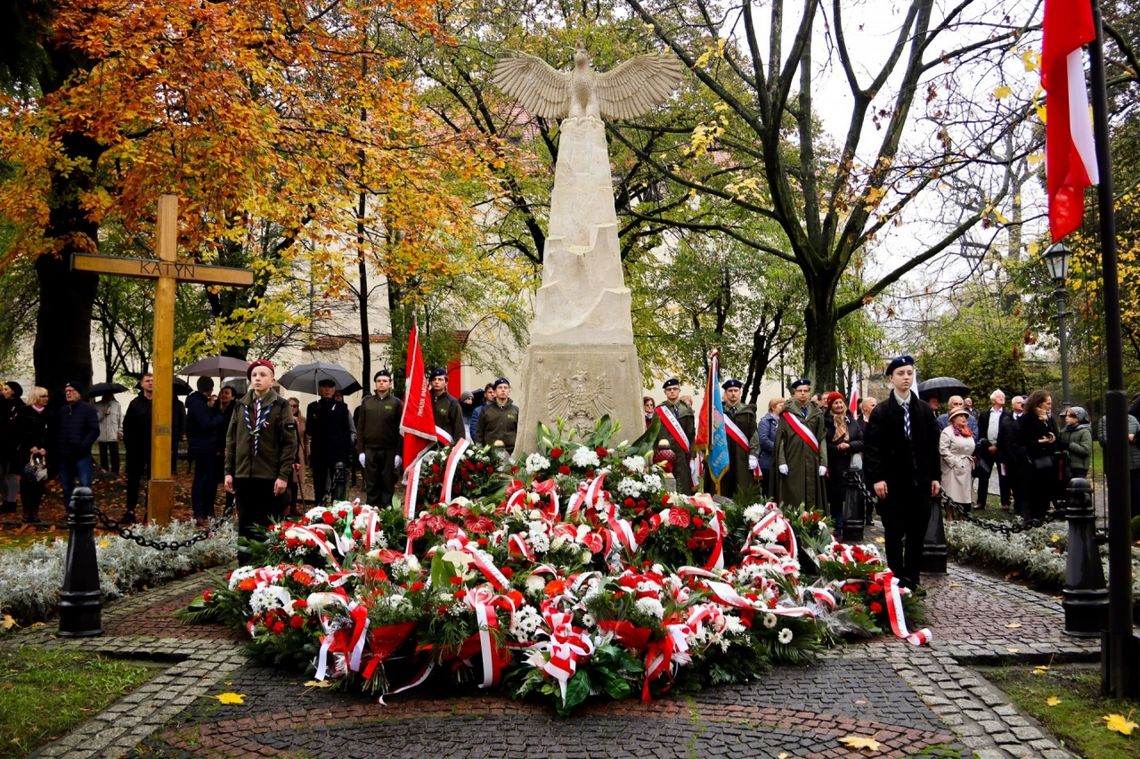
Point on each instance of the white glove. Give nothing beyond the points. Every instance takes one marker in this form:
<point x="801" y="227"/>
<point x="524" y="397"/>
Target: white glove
<point x="783" y="468"/>
<point x="398" y="461"/>
<point x="823" y="471"/>
<point x="753" y="463"/>
<point x="361" y="457"/>
<point x="694" y="470"/>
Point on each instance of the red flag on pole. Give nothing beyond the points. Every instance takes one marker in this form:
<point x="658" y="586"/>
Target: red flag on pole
<point x="1070" y="155"/>
<point x="417" y="421"/>
<point x="853" y="401"/>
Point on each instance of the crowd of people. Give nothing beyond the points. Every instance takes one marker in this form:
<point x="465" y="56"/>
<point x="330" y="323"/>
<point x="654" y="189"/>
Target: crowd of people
<point x="806" y="450"/>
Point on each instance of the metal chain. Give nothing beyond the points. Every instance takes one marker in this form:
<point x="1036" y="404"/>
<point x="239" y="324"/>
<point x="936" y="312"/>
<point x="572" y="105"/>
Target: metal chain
<point x="128" y="532"/>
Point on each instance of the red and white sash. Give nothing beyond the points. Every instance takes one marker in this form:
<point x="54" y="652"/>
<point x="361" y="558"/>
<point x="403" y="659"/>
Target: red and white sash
<point x="673" y="426"/>
<point x="735" y="433"/>
<point x="802" y="431"/>
<point x="443" y="436"/>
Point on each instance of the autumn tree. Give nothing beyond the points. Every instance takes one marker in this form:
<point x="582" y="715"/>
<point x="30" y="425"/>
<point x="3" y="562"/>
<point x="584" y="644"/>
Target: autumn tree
<point x="252" y="113"/>
<point x="913" y="118"/>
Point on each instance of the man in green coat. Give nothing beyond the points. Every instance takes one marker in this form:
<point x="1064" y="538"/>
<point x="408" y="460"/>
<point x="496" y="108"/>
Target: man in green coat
<point x="801" y="458"/>
<point x="499" y="420"/>
<point x="742" y="417"/>
<point x="680" y="428"/>
<point x="378" y="440"/>
<point x="448" y="414"/>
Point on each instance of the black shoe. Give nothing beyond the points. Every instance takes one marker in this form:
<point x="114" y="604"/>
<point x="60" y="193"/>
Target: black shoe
<point x="9" y="507"/>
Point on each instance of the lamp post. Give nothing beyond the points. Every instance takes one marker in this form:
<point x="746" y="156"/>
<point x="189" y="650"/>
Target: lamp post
<point x="1057" y="258"/>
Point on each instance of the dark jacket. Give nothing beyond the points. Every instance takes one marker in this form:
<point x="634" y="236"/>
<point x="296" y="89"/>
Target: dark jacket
<point x="764" y="441"/>
<point x="10" y="413"/>
<point x="448" y="415"/>
<point x="136" y="427"/>
<point x="37" y="430"/>
<point x="276" y="442"/>
<point x="1010" y="450"/>
<point x="78" y="430"/>
<point x="378" y="425"/>
<point x="1030" y="430"/>
<point x="498" y="423"/>
<point x="328" y="425"/>
<point x="202" y="423"/>
<point x="888" y="456"/>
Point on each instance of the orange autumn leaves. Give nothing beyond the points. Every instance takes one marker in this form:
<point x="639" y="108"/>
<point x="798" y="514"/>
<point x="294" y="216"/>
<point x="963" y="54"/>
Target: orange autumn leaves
<point x="263" y="116"/>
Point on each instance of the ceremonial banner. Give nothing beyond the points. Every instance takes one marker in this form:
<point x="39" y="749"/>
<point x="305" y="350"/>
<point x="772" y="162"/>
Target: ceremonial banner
<point x="711" y="435"/>
<point x="417" y="423"/>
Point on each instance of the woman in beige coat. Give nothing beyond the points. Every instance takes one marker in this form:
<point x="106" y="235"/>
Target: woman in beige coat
<point x="956" y="450"/>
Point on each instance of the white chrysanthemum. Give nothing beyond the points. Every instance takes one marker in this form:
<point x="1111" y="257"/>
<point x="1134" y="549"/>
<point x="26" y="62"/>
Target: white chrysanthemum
<point x="269" y="597"/>
<point x="634" y="463"/>
<point x="755" y="512"/>
<point x="585" y="457"/>
<point x="394" y="601"/>
<point x="524" y="623"/>
<point x="240" y="574"/>
<point x="535" y="584"/>
<point x="785" y="636"/>
<point x="536" y="462"/>
<point x="651" y="606"/>
<point x="733" y="625"/>
<point x="588" y="620"/>
<point x="770" y="620"/>
<point x="630" y="487"/>
<point x="653" y="481"/>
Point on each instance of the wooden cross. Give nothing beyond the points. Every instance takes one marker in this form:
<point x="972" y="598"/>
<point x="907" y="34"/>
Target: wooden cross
<point x="168" y="271"/>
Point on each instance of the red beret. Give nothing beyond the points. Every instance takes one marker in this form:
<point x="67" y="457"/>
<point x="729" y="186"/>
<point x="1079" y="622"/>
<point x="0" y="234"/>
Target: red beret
<point x="256" y="363"/>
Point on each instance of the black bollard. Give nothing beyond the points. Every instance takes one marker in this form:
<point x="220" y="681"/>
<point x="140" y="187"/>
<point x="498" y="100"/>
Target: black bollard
<point x="340" y="481"/>
<point x="80" y="599"/>
<point x="853" y="515"/>
<point x="1085" y="596"/>
<point x="934" y="549"/>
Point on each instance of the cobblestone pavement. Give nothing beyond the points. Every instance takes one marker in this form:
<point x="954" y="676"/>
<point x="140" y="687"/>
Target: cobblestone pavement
<point x="909" y="699"/>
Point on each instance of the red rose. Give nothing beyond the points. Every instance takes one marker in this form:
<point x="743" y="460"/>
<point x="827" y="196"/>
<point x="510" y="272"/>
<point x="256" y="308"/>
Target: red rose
<point x="417" y="586"/>
<point x="629" y="502"/>
<point x="207" y="596"/>
<point x="601" y="451"/>
<point x="876" y="607"/>
<point x="456" y="580"/>
<point x="564" y="469"/>
<point x="875" y="589"/>
<point x="698" y="522"/>
<point x="435" y="468"/>
<point x="642" y="503"/>
<point x="328" y="518"/>
<point x="296" y="622"/>
<point x="555" y="452"/>
<point x="278" y="627"/>
<point x="300" y="603"/>
<point x="507" y="572"/>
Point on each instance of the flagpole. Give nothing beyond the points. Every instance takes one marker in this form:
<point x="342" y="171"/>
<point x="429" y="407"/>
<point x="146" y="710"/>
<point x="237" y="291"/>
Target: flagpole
<point x="1120" y="647"/>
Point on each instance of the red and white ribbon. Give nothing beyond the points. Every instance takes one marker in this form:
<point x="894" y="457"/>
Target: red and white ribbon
<point x="895" y="613"/>
<point x="802" y="431"/>
<point x="452" y="467"/>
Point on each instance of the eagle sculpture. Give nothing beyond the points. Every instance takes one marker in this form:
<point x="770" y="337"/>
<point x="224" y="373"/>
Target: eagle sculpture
<point x="624" y="92"/>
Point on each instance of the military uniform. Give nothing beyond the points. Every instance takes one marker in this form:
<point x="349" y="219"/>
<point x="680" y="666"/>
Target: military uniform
<point x="498" y="423"/>
<point x="802" y="485"/>
<point x="687" y="419"/>
<point x="378" y="438"/>
<point x="448" y="415"/>
<point x="739" y="474"/>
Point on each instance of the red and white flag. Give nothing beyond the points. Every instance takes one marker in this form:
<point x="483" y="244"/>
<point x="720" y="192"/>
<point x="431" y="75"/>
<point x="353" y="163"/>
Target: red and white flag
<point x="1070" y="153"/>
<point x="853" y="401"/>
<point x="417" y="422"/>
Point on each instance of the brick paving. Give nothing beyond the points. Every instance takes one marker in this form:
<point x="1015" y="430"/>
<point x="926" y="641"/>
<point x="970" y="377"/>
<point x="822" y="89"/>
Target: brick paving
<point x="909" y="699"/>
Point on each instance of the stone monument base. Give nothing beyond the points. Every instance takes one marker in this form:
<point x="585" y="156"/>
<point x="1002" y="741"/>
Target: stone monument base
<point x="579" y="384"/>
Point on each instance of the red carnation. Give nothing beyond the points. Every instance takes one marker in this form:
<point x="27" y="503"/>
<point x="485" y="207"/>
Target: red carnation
<point x="555" y="452"/>
<point x="875" y="589"/>
<point x="278" y="627"/>
<point x="296" y="622"/>
<point x="328" y="518"/>
<point x="456" y="580"/>
<point x="629" y="502"/>
<point x="417" y="586"/>
<point x="507" y="572"/>
<point x="564" y="469"/>
<point x="698" y="522"/>
<point x="876" y="607"/>
<point x="601" y="451"/>
<point x="300" y="603"/>
<point x="207" y="595"/>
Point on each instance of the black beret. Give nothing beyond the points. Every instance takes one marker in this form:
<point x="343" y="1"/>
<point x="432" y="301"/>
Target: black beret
<point x="671" y="382"/>
<point x="897" y="362"/>
<point x="731" y="383"/>
<point x="798" y="382"/>
<point x="502" y="381"/>
<point x="382" y="373"/>
<point x="437" y="372"/>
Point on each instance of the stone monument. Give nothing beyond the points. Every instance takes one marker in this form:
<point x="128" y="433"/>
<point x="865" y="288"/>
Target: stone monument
<point x="581" y="362"/>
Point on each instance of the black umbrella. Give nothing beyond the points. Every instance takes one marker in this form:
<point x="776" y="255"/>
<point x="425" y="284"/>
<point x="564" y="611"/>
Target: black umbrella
<point x="942" y="388"/>
<point x="182" y="387"/>
<point x="105" y="388"/>
<point x="305" y="378"/>
<point x="216" y="366"/>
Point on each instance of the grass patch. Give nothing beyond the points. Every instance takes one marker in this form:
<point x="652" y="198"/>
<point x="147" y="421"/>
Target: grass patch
<point x="45" y="692"/>
<point x="21" y="537"/>
<point x="1076" y="718"/>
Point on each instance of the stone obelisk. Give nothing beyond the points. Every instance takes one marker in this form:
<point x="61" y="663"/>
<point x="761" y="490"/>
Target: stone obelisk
<point x="581" y="362"/>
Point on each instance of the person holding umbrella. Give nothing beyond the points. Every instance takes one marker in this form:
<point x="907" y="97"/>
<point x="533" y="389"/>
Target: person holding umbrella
<point x="261" y="446"/>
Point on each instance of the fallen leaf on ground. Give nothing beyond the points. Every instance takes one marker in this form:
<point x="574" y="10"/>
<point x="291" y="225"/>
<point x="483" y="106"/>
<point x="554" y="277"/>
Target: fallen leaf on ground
<point x="1013" y="625"/>
<point x="7" y="623"/>
<point x="1041" y="669"/>
<point x="319" y="684"/>
<point x="880" y="541"/>
<point x="955" y="584"/>
<point x="1119" y="723"/>
<point x="1052" y="701"/>
<point x="231" y="698"/>
<point x="860" y="741"/>
<point x="1012" y="649"/>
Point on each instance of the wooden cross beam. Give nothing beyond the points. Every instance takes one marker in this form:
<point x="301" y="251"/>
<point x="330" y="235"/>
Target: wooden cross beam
<point x="168" y="271"/>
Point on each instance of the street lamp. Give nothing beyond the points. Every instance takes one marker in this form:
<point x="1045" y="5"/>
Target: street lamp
<point x="1057" y="258"/>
